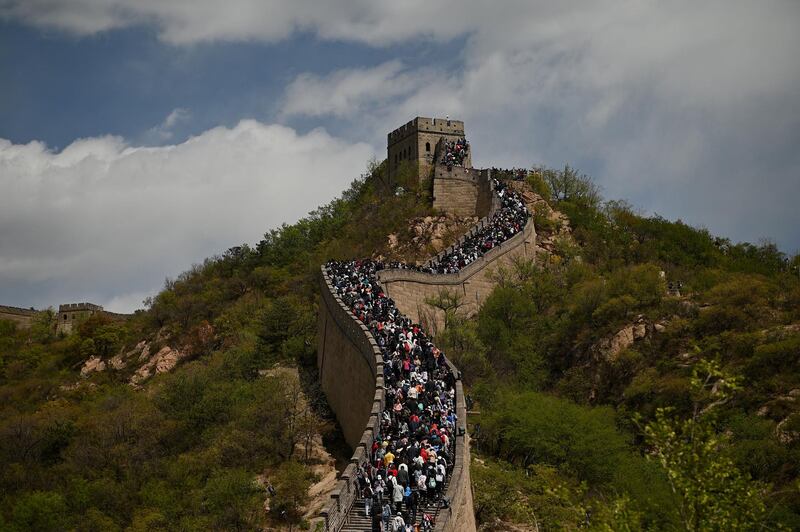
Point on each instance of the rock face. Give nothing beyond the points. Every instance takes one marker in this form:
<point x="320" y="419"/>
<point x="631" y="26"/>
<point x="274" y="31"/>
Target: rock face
<point x="120" y="361"/>
<point x="609" y="348"/>
<point x="430" y="234"/>
<point x="149" y="364"/>
<point x="162" y="362"/>
<point x="94" y="363"/>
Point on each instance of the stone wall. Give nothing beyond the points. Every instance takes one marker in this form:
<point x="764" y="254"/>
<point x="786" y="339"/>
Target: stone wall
<point x="349" y="362"/>
<point x="409" y="288"/>
<point x="462" y="191"/>
<point x="21" y="316"/>
<point x="351" y="373"/>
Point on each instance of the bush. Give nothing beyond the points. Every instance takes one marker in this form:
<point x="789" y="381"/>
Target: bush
<point x="529" y="427"/>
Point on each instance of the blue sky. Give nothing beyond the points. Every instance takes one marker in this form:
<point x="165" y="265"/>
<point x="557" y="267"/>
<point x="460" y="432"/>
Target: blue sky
<point x="137" y="138"/>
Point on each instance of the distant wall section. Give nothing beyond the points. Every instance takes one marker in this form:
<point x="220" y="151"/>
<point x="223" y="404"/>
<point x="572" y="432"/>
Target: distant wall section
<point x="474" y="283"/>
<point x="21" y="316"/>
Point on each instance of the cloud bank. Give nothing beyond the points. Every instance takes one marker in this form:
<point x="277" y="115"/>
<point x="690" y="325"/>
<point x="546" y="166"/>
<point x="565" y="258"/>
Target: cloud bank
<point x="687" y="110"/>
<point x="105" y="221"/>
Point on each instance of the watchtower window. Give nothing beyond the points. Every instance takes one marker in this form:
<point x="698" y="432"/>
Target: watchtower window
<point x="427" y="146"/>
<point x="65" y="317"/>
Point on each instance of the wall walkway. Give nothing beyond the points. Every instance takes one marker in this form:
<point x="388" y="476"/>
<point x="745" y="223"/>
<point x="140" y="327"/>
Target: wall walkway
<point x="351" y="368"/>
<point x="474" y="283"/>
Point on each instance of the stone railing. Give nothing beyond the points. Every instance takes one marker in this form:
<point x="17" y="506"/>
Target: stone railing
<point x="460" y="514"/>
<point x="343" y="323"/>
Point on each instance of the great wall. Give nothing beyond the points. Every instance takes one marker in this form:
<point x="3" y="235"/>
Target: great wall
<point x="67" y="318"/>
<point x="349" y="360"/>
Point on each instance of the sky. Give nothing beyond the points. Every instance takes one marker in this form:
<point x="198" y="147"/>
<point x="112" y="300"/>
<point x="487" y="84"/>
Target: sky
<point x="138" y="137"/>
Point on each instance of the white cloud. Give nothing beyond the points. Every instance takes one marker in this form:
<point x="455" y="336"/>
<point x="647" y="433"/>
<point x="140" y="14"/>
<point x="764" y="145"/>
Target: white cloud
<point x="686" y="109"/>
<point x="164" y="131"/>
<point x="106" y="221"/>
<point x="351" y="92"/>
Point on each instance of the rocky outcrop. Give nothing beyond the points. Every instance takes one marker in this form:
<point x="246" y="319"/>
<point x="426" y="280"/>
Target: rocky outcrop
<point x="94" y="363"/>
<point x="163" y="361"/>
<point x="609" y="348"/>
<point x="428" y="235"/>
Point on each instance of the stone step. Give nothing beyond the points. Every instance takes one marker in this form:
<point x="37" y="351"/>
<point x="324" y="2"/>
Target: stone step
<point x="358" y="521"/>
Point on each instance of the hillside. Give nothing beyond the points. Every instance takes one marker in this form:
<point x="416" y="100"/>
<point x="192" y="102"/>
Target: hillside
<point x="568" y="361"/>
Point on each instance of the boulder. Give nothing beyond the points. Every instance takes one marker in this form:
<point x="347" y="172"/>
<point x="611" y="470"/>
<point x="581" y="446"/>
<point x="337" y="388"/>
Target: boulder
<point x="95" y="363"/>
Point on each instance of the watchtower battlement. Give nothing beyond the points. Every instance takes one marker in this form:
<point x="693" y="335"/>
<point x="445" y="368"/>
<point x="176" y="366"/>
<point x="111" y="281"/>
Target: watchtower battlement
<point x="72" y="307"/>
<point x="442" y="126"/>
<point x="414" y="143"/>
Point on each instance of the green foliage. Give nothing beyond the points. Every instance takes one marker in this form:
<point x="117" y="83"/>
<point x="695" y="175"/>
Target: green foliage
<point x="550" y="328"/>
<point x="463" y="346"/>
<point x="233" y="500"/>
<point x="569" y="186"/>
<point x="39" y="510"/>
<point x="530" y="427"/>
<point x="291" y="482"/>
<point x="536" y="180"/>
<point x="713" y="493"/>
<point x="538" y="494"/>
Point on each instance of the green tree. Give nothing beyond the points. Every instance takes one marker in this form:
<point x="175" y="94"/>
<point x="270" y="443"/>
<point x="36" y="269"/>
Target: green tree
<point x="713" y="493"/>
<point x="41" y="511"/>
<point x="291" y="483"/>
<point x="232" y="498"/>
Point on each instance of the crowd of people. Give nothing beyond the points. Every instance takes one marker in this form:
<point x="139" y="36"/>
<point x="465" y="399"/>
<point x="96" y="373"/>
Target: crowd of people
<point x="514" y="174"/>
<point x="413" y="452"/>
<point x="455" y="152"/>
<point x="509" y="220"/>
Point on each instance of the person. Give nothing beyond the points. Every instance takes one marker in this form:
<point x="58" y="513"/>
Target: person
<point x="386" y="514"/>
<point x="380" y="485"/>
<point x="427" y="522"/>
<point x="422" y="486"/>
<point x="402" y="475"/>
<point x="397" y="496"/>
<point x="398" y="525"/>
<point x="368" y="494"/>
<point x="408" y="500"/>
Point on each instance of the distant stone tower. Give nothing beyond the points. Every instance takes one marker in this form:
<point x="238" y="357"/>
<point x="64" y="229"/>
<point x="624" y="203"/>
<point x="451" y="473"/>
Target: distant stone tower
<point x="457" y="189"/>
<point x="71" y="314"/>
<point x="415" y="143"/>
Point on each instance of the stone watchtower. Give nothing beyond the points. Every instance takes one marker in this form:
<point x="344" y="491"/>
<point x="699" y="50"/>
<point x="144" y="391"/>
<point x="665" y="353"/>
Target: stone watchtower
<point x="71" y="314"/>
<point x="415" y="144"/>
<point x="457" y="189"/>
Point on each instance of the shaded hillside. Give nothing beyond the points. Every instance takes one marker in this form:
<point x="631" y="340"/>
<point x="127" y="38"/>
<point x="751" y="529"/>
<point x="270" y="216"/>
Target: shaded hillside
<point x="636" y="325"/>
<point x="164" y="421"/>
